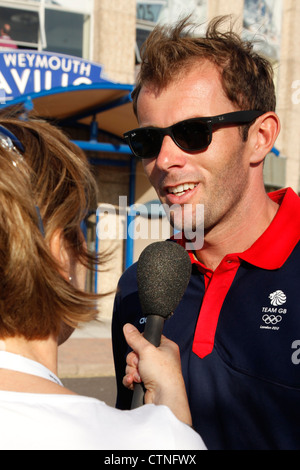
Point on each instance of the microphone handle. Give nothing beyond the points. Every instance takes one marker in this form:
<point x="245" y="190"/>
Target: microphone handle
<point x="153" y="331"/>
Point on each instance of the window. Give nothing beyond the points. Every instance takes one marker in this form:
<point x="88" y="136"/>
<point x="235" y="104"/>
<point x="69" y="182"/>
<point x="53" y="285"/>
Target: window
<point x="47" y="26"/>
<point x="151" y="12"/>
<point x="66" y="32"/>
<point x="20" y="28"/>
<point x="262" y="22"/>
<point x="148" y="14"/>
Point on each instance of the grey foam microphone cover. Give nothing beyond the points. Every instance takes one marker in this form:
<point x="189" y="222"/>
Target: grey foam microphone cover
<point x="163" y="273"/>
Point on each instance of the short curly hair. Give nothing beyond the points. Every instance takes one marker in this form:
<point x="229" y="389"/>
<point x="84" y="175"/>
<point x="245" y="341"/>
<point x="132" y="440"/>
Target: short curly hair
<point x="247" y="77"/>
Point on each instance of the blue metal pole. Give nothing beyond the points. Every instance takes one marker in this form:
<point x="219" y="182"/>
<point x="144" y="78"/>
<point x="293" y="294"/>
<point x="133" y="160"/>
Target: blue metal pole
<point x="124" y="149"/>
<point x="97" y="251"/>
<point x="130" y="217"/>
<point x="102" y="147"/>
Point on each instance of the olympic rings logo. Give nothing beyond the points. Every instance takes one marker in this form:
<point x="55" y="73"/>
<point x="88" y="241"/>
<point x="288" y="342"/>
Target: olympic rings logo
<point x="272" y="319"/>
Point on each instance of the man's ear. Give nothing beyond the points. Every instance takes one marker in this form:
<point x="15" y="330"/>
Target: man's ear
<point x="60" y="253"/>
<point x="263" y="135"/>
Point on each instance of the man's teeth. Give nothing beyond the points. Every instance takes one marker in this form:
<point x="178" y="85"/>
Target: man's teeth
<point x="182" y="188"/>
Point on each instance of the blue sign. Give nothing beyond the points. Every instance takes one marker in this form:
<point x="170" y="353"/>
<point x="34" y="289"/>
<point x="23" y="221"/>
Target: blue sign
<point x="24" y="72"/>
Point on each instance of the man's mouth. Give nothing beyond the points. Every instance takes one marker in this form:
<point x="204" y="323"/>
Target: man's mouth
<point x="181" y="189"/>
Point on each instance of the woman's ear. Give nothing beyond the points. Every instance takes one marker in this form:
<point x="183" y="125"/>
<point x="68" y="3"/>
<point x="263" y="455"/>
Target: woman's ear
<point x="72" y="270"/>
<point x="60" y="253"/>
<point x="263" y="136"/>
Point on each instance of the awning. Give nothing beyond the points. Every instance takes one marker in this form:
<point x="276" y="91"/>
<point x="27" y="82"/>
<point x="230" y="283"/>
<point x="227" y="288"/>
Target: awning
<point x="65" y="88"/>
<point x="106" y="103"/>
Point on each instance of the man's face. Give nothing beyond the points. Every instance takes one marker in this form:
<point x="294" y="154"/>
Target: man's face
<point x="216" y="177"/>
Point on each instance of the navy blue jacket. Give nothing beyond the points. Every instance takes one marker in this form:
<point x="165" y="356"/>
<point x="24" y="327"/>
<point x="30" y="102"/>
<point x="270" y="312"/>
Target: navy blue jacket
<point x="241" y="354"/>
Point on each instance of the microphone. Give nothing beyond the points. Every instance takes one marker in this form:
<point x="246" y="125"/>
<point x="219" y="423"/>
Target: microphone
<point x="163" y="273"/>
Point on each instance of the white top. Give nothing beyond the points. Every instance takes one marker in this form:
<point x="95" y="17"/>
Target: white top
<point x="72" y="422"/>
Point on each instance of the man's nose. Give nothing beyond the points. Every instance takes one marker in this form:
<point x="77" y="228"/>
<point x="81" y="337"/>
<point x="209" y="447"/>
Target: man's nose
<point x="170" y="155"/>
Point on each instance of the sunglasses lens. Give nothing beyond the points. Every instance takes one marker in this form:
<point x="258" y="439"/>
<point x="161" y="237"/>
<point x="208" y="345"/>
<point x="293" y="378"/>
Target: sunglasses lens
<point x="145" y="143"/>
<point x="192" y="135"/>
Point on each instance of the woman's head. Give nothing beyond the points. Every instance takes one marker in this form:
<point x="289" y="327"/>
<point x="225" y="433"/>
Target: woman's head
<point x="51" y="178"/>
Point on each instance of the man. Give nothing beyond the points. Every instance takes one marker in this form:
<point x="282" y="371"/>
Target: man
<point x="238" y="324"/>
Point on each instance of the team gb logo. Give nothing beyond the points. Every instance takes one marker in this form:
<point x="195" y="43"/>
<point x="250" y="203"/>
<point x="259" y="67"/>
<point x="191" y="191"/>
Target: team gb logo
<point x="277" y="298"/>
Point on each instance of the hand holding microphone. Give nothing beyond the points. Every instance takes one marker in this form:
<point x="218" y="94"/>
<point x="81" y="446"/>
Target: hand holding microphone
<point x="160" y="369"/>
<point x="163" y="273"/>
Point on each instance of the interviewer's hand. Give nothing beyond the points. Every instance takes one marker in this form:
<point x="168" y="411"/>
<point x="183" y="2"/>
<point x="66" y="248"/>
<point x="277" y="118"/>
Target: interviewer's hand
<point x="160" y="371"/>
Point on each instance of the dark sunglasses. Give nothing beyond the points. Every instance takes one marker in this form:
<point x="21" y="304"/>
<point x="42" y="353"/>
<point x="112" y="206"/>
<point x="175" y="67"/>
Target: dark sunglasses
<point x="191" y="135"/>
